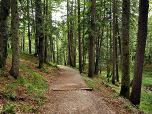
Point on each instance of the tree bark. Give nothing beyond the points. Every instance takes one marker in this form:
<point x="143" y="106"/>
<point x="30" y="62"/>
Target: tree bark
<point x="92" y="38"/>
<point x="83" y="39"/>
<point x="15" y="39"/>
<point x="40" y="34"/>
<point x="125" y="80"/>
<point x="75" y="35"/>
<point x="28" y="17"/>
<point x="116" y="48"/>
<point x="140" y="51"/>
<point x="69" y="39"/>
<point x="79" y="34"/>
<point x="113" y="76"/>
<point x="97" y="55"/>
<point x="4" y="11"/>
<point x="46" y="36"/>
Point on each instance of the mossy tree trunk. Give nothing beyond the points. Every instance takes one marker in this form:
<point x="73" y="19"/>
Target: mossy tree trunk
<point x="125" y="80"/>
<point x="92" y="38"/>
<point x="15" y="39"/>
<point x="39" y="32"/>
<point x="4" y="11"/>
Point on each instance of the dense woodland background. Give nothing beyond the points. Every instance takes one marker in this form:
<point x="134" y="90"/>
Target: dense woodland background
<point x="93" y="35"/>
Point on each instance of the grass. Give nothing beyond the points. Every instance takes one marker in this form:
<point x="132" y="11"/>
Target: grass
<point x="146" y="95"/>
<point x="29" y="92"/>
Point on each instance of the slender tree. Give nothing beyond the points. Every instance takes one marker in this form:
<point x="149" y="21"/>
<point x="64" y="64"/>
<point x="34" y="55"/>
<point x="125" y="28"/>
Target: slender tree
<point x="75" y="34"/>
<point x="113" y="76"/>
<point x="79" y="35"/>
<point x="4" y="11"/>
<point x="39" y="32"/>
<point x="15" y="39"/>
<point x="46" y="36"/>
<point x="125" y="80"/>
<point x="28" y="17"/>
<point x="69" y="35"/>
<point x="83" y="39"/>
<point x="140" y="51"/>
<point x="92" y="38"/>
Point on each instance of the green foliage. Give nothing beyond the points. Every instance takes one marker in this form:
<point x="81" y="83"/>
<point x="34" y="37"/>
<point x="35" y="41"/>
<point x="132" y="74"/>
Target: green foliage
<point x="21" y="79"/>
<point x="9" y="108"/>
<point x="53" y="64"/>
<point x="89" y="82"/>
<point x="146" y="101"/>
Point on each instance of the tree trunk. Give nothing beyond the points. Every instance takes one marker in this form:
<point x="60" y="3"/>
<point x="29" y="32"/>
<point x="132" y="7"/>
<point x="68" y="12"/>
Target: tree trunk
<point x="92" y="38"/>
<point x="69" y="39"/>
<point x="140" y="51"/>
<point x="40" y="34"/>
<point x="107" y="56"/>
<point x="46" y="36"/>
<point x="110" y="42"/>
<point x="50" y="36"/>
<point x="75" y="36"/>
<point x="83" y="39"/>
<point x="116" y="29"/>
<point x="4" y="11"/>
<point x="79" y="34"/>
<point x="125" y="80"/>
<point x="57" y="56"/>
<point x="113" y="76"/>
<point x="28" y="17"/>
<point x="15" y="39"/>
<point x="97" y="55"/>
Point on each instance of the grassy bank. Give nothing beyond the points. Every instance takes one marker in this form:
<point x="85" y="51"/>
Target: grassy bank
<point x="146" y="94"/>
<point x="30" y="92"/>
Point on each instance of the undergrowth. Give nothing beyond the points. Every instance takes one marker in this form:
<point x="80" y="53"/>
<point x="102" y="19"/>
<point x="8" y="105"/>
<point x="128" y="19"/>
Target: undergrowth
<point x="146" y="94"/>
<point x="29" y="92"/>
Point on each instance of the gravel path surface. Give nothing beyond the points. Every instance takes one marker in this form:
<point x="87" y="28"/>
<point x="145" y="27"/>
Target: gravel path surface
<point x="69" y="99"/>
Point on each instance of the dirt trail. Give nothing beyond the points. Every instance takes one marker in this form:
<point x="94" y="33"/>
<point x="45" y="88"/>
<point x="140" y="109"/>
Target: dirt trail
<point x="74" y="101"/>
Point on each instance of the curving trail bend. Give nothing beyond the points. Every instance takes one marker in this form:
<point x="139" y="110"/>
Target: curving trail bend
<point x="69" y="96"/>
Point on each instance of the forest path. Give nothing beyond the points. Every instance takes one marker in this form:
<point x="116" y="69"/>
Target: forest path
<point x="68" y="96"/>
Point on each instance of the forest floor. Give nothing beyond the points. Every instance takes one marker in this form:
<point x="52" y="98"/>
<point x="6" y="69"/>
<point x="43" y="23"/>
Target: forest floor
<point x="69" y="94"/>
<point x="54" y="91"/>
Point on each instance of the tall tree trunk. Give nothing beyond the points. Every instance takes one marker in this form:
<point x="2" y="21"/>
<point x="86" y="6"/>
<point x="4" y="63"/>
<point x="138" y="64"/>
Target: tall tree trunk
<point x="71" y="36"/>
<point x="110" y="41"/>
<point x="107" y="56"/>
<point x="28" y="17"/>
<point x="116" y="29"/>
<point x="4" y="11"/>
<point x="15" y="39"/>
<point x="46" y="36"/>
<point x="53" y="53"/>
<point x="75" y="35"/>
<point x="125" y="80"/>
<point x="24" y="37"/>
<point x="50" y="36"/>
<point x="37" y="28"/>
<point x="79" y="34"/>
<point x="97" y="55"/>
<point x="92" y="38"/>
<point x="113" y="76"/>
<point x="83" y="39"/>
<point x="40" y="32"/>
<point x="69" y="39"/>
<point x="140" y="51"/>
<point x="57" y="56"/>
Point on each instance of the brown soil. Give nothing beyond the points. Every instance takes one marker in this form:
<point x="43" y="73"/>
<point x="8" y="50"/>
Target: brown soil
<point x="71" y="100"/>
<point x="70" y="96"/>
